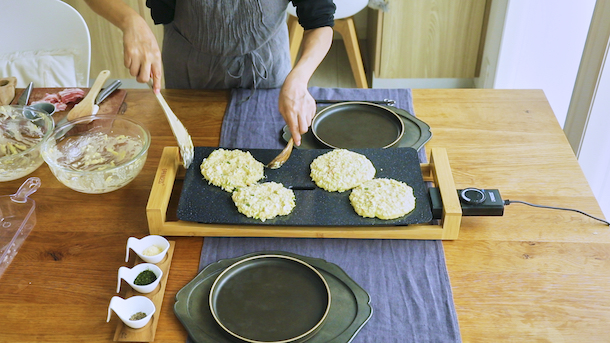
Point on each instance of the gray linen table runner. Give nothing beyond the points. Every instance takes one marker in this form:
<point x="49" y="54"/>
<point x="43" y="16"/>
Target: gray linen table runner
<point x="406" y="279"/>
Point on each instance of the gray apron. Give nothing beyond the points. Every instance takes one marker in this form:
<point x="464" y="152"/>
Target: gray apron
<point x="222" y="44"/>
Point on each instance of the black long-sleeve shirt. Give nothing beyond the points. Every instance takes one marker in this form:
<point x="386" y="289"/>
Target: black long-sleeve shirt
<point x="312" y="14"/>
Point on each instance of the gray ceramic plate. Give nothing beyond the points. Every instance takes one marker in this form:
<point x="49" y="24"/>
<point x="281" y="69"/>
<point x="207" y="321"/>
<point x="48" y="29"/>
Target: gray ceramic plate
<point x="349" y="311"/>
<point x="270" y="298"/>
<point x="416" y="133"/>
<point x="357" y="125"/>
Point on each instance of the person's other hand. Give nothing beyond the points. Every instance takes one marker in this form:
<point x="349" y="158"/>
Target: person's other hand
<point x="142" y="55"/>
<point x="297" y="107"/>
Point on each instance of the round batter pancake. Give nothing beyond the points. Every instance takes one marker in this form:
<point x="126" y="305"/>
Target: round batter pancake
<point x="264" y="201"/>
<point x="340" y="170"/>
<point x="229" y="169"/>
<point x="382" y="198"/>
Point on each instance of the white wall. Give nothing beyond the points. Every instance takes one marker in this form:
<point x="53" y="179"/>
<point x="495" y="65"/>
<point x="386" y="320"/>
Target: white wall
<point x="594" y="154"/>
<point x="541" y="46"/>
<point x="538" y="44"/>
<point x="589" y="123"/>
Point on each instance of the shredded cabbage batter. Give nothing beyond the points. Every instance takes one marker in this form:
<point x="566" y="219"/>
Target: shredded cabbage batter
<point x="229" y="169"/>
<point x="340" y="170"/>
<point x="18" y="134"/>
<point x="382" y="198"/>
<point x="264" y="201"/>
<point x="96" y="151"/>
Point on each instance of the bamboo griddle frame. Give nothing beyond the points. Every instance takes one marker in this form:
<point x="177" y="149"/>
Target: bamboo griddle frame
<point x="437" y="171"/>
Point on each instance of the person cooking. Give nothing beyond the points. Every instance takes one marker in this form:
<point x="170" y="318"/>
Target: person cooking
<point x="227" y="44"/>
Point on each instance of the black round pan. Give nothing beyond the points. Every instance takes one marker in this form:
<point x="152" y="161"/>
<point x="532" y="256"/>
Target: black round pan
<point x="270" y="298"/>
<point x="357" y="125"/>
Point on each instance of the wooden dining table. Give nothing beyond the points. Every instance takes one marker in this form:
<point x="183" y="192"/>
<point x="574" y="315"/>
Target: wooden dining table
<point x="531" y="275"/>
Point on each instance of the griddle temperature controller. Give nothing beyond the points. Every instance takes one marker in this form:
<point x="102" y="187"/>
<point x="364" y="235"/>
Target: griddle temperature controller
<point x="474" y="201"/>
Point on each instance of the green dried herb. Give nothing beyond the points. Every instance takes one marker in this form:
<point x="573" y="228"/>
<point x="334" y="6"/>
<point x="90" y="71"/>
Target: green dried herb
<point x="145" y="278"/>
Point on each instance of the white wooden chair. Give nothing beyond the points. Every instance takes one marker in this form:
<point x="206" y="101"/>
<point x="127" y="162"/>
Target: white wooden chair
<point x="344" y="25"/>
<point x="49" y="44"/>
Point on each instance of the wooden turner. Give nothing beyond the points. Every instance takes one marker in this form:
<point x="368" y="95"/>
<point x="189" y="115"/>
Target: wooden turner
<point x="85" y="107"/>
<point x="282" y="157"/>
<point x="185" y="144"/>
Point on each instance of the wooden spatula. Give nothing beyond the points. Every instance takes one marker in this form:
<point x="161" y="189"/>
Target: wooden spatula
<point x="185" y="143"/>
<point x="85" y="107"/>
<point x="282" y="157"/>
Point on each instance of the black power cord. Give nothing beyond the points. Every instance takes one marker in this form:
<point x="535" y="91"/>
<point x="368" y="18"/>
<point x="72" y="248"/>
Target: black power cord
<point x="508" y="202"/>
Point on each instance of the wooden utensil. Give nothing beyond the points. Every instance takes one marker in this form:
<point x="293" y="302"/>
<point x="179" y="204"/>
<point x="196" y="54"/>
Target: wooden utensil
<point x="85" y="107"/>
<point x="185" y="144"/>
<point x="7" y="90"/>
<point x="282" y="157"/>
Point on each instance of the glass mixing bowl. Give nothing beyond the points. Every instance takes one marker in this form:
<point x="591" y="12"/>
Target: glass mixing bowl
<point x="97" y="154"/>
<point x="22" y="132"/>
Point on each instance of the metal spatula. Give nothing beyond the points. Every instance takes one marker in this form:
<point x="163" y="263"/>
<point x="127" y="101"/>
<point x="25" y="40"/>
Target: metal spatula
<point x="185" y="144"/>
<point x="104" y="93"/>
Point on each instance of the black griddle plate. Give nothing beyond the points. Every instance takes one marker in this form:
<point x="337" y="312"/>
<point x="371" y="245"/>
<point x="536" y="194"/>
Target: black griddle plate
<point x="205" y="203"/>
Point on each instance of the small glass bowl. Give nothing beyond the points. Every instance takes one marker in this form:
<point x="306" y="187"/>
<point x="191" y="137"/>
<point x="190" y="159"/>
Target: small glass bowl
<point x="22" y="125"/>
<point x="97" y="154"/>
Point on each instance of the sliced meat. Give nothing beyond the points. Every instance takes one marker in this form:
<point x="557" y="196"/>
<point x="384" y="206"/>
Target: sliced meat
<point x="69" y="95"/>
<point x="62" y="98"/>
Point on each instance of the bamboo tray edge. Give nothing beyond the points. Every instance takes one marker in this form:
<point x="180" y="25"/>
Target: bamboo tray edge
<point x="437" y="171"/>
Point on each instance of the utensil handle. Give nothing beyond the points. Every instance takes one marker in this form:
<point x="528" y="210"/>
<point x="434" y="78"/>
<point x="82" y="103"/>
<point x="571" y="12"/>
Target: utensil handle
<point x="27" y="188"/>
<point x="97" y="85"/>
<point x="182" y="136"/>
<point x="25" y="96"/>
<point x="168" y="111"/>
<point x="107" y="91"/>
<point x="174" y="122"/>
<point x="90" y="97"/>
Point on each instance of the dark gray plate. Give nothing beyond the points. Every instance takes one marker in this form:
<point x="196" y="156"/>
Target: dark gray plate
<point x="416" y="133"/>
<point x="349" y="311"/>
<point x="270" y="298"/>
<point x="205" y="203"/>
<point x="357" y="125"/>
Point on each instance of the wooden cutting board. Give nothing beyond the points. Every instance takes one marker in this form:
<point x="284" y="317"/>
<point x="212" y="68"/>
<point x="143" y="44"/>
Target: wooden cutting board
<point x="112" y="105"/>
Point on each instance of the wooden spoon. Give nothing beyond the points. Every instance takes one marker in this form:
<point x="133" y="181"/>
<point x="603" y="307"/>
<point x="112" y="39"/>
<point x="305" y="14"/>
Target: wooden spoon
<point x="282" y="157"/>
<point x="85" y="106"/>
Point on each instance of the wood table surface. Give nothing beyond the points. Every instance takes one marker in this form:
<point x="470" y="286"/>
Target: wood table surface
<point x="532" y="275"/>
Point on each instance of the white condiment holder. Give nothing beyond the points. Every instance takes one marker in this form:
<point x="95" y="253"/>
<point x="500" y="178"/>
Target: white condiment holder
<point x="125" y="308"/>
<point x="142" y="330"/>
<point x="139" y="245"/>
<point x="130" y="274"/>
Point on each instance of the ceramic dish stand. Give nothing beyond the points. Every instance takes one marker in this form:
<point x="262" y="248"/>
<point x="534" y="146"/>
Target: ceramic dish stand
<point x="124" y="333"/>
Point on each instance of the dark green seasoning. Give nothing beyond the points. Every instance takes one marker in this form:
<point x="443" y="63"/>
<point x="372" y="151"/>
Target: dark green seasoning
<point x="146" y="277"/>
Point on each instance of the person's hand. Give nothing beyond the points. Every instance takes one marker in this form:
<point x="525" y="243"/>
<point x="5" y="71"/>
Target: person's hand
<point x="297" y="107"/>
<point x="141" y="52"/>
<point x="142" y="55"/>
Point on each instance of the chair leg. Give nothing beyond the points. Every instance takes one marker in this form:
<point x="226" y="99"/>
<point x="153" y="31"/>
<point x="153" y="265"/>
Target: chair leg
<point x="295" y="36"/>
<point x="347" y="30"/>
